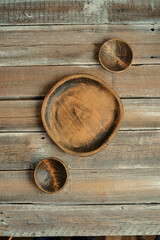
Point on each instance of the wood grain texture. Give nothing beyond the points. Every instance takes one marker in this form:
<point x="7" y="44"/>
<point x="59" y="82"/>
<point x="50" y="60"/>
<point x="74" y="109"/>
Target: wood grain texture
<point x="24" y="115"/>
<point x="51" y="175"/>
<point x="81" y="44"/>
<point x="82" y="114"/>
<point x="33" y="82"/>
<point x="128" y="150"/>
<point x="110" y="186"/>
<point x="15" y="12"/>
<point x="42" y="220"/>
<point x="20" y="115"/>
<point x="115" y="55"/>
<point x="141" y="114"/>
<point x="127" y="171"/>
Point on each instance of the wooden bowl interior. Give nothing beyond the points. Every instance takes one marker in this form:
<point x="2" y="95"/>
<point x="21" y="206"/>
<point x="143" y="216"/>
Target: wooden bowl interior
<point x="81" y="114"/>
<point x="115" y="55"/>
<point x="50" y="175"/>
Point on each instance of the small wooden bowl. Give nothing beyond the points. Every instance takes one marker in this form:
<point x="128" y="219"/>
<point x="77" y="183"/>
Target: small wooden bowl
<point x="50" y="175"/>
<point x="115" y="55"/>
<point x="81" y="114"/>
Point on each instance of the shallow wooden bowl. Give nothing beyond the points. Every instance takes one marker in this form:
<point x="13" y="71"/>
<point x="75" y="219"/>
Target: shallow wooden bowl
<point x="81" y="114"/>
<point x="50" y="175"/>
<point x="115" y="55"/>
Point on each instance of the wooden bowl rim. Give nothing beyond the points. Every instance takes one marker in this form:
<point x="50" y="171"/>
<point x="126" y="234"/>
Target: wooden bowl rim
<point x="110" y="40"/>
<point x="83" y="154"/>
<point x="50" y="158"/>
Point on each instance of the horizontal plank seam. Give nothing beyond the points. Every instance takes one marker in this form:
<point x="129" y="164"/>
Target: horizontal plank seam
<point x="83" y="64"/>
<point x="18" y="98"/>
<point x="92" y="204"/>
<point x="42" y="98"/>
<point x="78" y="64"/>
<point x="139" y="130"/>
<point x="145" y="23"/>
<point x="139" y="98"/>
<point x="120" y="130"/>
<point x="86" y="169"/>
<point x="32" y="98"/>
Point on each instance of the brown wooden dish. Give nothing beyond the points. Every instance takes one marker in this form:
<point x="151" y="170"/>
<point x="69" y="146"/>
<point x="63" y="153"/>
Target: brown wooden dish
<point x="50" y="175"/>
<point x="81" y="114"/>
<point x="115" y="55"/>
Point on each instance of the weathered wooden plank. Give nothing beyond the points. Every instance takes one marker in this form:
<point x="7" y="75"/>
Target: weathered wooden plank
<point x="20" y="115"/>
<point x="128" y="150"/>
<point x="42" y="220"/>
<point x="78" y="12"/>
<point x="63" y="45"/>
<point x="20" y="82"/>
<point x="77" y="34"/>
<point x="25" y="115"/>
<point x="85" y="187"/>
<point x="141" y="114"/>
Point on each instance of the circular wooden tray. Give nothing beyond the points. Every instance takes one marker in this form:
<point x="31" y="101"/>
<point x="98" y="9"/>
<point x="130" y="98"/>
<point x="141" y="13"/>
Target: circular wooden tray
<point x="81" y="114"/>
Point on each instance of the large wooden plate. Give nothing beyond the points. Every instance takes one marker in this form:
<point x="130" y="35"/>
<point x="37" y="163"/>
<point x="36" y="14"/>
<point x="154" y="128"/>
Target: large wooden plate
<point x="81" y="114"/>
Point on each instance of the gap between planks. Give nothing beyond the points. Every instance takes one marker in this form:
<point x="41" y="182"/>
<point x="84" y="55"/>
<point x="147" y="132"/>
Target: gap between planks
<point x="81" y="204"/>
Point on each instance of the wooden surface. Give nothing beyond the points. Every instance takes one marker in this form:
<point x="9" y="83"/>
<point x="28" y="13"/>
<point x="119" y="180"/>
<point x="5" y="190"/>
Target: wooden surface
<point x="129" y="149"/>
<point x="25" y="115"/>
<point x="79" y="12"/>
<point x="34" y="82"/>
<point x="113" y="192"/>
<point x="88" y="186"/>
<point x="79" y="220"/>
<point x="19" y="45"/>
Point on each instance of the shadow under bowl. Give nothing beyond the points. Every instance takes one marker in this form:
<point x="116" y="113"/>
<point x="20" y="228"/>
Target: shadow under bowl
<point x="115" y="55"/>
<point x="50" y="175"/>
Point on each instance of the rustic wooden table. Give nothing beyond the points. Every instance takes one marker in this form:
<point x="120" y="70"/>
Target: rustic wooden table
<point x="114" y="192"/>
